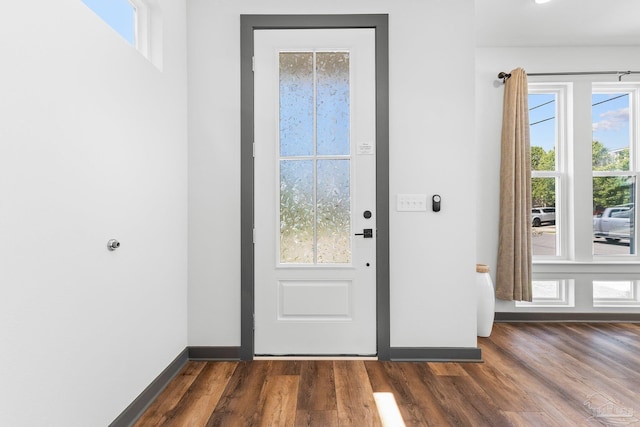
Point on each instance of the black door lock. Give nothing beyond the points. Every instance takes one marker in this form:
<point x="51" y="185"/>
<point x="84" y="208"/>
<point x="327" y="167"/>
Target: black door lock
<point x="435" y="203"/>
<point x="367" y="233"/>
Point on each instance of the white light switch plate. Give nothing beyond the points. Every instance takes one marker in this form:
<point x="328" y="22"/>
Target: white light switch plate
<point x="411" y="203"/>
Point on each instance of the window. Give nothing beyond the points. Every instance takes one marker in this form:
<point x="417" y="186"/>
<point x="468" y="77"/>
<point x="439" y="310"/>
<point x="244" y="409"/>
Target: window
<point x="616" y="293"/>
<point x="547" y="123"/>
<point x="585" y="165"/>
<point x="551" y="293"/>
<point x="614" y="171"/>
<point x="315" y="158"/>
<point x="118" y="14"/>
<point x="561" y="183"/>
<point x="139" y="22"/>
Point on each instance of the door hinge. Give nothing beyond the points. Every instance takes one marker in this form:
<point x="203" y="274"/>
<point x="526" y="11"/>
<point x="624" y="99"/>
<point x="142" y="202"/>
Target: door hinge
<point x="253" y="64"/>
<point x="254" y="149"/>
<point x="254" y="236"/>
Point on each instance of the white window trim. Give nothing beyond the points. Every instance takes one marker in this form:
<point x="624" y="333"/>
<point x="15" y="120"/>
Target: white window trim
<point x="148" y="30"/>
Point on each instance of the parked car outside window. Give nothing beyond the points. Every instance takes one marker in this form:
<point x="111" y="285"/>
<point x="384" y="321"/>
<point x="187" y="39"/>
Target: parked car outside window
<point x="614" y="223"/>
<point x="543" y="215"/>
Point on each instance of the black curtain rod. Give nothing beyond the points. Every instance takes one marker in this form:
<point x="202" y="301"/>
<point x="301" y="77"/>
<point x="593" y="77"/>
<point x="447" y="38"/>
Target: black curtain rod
<point x="504" y="76"/>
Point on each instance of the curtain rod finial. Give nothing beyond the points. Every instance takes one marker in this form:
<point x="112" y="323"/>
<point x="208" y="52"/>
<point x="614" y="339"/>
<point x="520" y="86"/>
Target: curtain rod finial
<point x="622" y="73"/>
<point x="504" y="76"/>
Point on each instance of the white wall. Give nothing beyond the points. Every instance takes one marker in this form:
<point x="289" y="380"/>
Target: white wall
<point x="489" y="62"/>
<point x="432" y="144"/>
<point x="93" y="146"/>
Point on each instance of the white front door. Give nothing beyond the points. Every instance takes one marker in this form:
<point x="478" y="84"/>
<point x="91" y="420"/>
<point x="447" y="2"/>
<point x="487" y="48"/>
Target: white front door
<point x="315" y="219"/>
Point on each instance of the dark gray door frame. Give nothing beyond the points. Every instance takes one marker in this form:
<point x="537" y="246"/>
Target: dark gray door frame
<point x="249" y="23"/>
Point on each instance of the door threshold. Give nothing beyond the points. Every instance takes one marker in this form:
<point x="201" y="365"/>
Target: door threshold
<point x="296" y="357"/>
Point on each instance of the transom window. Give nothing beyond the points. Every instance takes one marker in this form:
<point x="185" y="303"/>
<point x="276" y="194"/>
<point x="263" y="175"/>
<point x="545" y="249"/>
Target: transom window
<point x="118" y="14"/>
<point x="139" y="22"/>
<point x="616" y="293"/>
<point x="551" y="293"/>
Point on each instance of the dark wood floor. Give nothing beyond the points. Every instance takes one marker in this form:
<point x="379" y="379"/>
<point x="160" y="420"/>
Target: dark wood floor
<point x="533" y="374"/>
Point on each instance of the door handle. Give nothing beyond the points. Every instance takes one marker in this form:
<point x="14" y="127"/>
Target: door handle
<point x="367" y="233"/>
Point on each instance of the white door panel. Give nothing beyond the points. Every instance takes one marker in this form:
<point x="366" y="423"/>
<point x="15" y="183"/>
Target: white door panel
<point x="314" y="112"/>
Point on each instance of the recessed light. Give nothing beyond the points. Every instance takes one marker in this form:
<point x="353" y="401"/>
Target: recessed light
<point x="541" y="1"/>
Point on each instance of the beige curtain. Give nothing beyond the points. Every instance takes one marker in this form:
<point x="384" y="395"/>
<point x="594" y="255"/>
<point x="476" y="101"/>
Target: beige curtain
<point x="513" y="275"/>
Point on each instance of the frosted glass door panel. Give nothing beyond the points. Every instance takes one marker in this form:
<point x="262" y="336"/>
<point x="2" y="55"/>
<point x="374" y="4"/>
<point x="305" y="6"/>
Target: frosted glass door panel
<point x="334" y="212"/>
<point x="297" y="241"/>
<point x="296" y="104"/>
<point x="333" y="102"/>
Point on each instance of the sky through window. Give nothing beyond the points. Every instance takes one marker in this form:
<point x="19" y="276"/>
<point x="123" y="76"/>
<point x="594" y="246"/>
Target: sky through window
<point x="610" y="120"/>
<point x="118" y="14"/>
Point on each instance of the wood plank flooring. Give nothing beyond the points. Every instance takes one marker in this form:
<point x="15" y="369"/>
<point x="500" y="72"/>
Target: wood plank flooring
<point x="533" y="374"/>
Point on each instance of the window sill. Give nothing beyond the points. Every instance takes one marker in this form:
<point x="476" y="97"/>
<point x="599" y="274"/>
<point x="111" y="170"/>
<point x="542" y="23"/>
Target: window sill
<point x="564" y="266"/>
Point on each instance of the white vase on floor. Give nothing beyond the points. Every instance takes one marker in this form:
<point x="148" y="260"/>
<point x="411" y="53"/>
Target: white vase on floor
<point x="486" y="300"/>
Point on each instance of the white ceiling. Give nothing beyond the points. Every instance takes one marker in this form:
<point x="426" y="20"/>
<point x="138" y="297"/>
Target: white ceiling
<point x="558" y="23"/>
